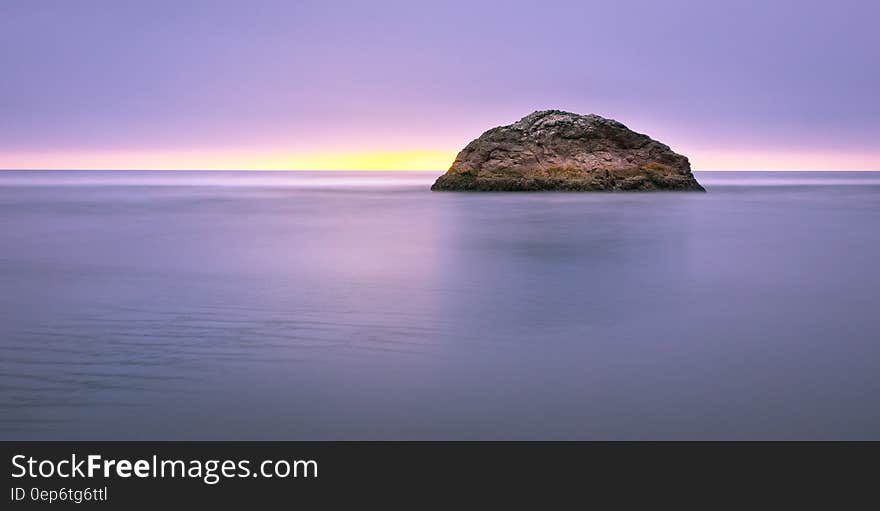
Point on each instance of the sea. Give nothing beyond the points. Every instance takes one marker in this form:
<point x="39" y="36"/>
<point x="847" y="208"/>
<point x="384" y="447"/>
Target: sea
<point x="182" y="305"/>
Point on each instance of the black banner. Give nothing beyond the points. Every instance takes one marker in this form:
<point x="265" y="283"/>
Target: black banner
<point x="418" y="474"/>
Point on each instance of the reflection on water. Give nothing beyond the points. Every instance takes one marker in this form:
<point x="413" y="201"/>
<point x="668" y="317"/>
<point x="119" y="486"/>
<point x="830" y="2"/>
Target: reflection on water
<point x="172" y="305"/>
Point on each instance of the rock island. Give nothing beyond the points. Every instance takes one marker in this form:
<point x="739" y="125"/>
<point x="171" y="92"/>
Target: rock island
<point x="556" y="150"/>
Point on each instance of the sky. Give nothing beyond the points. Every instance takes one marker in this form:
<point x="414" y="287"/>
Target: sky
<point x="734" y="85"/>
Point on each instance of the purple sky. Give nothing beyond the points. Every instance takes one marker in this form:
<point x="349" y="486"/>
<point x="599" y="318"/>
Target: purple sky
<point x="250" y="84"/>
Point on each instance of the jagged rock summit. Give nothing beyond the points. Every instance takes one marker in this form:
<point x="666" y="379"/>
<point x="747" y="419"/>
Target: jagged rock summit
<point x="556" y="150"/>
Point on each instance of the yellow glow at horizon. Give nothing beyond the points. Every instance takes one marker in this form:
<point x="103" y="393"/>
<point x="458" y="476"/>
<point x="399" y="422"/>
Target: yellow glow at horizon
<point x="217" y="160"/>
<point x="407" y="160"/>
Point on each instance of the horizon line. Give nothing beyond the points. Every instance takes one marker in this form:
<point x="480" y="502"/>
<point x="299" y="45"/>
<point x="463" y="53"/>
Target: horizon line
<point x="365" y="170"/>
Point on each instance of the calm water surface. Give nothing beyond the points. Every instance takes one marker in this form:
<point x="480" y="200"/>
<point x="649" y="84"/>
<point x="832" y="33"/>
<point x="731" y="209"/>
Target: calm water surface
<point x="184" y="305"/>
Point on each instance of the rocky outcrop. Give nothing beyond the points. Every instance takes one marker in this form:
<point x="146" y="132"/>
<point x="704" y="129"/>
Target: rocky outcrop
<point x="556" y="150"/>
